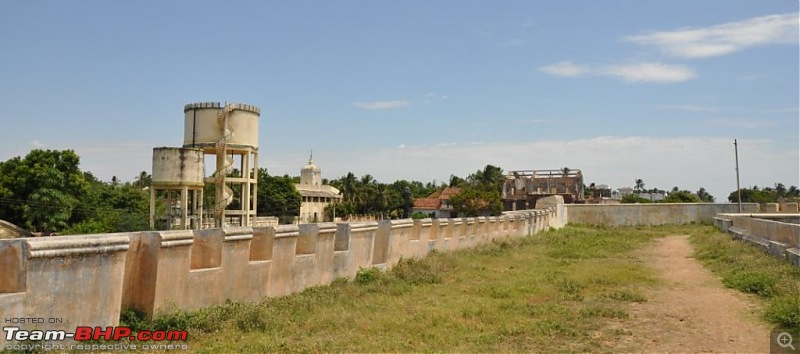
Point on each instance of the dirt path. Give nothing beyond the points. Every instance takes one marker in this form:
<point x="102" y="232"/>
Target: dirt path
<point x="692" y="311"/>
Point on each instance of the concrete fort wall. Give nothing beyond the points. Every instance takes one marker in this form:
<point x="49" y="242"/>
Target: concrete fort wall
<point x="776" y="234"/>
<point x="650" y="214"/>
<point x="67" y="281"/>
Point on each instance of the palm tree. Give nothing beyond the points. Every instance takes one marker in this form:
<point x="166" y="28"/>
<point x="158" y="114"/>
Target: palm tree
<point x="349" y="187"/>
<point x="780" y="188"/>
<point x="143" y="180"/>
<point x="639" y="185"/>
<point x="793" y="192"/>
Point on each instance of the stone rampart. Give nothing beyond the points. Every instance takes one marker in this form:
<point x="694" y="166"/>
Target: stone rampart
<point x="650" y="214"/>
<point x="776" y="234"/>
<point x="87" y="280"/>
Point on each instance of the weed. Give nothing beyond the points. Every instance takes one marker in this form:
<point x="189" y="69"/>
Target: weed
<point x="414" y="271"/>
<point x="370" y="276"/>
<point x="754" y="282"/>
<point x="785" y="311"/>
<point x="628" y="296"/>
<point x="550" y="327"/>
<point x="251" y="319"/>
<point x="602" y="312"/>
<point x="622" y="332"/>
<point x="747" y="269"/>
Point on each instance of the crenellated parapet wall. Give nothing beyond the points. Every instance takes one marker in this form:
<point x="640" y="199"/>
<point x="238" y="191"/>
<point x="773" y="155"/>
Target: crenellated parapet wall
<point x="87" y="280"/>
<point x="61" y="282"/>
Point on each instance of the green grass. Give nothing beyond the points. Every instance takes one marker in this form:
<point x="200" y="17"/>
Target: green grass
<point x="552" y="291"/>
<point x="750" y="270"/>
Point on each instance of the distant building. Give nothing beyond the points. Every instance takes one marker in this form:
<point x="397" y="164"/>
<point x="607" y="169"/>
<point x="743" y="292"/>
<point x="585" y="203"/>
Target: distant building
<point x="623" y="191"/>
<point x="655" y="197"/>
<point x="437" y="204"/>
<point x="522" y="189"/>
<point x="599" y="193"/>
<point x="316" y="196"/>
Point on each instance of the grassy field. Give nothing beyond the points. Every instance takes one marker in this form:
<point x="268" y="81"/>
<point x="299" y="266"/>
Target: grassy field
<point x="551" y="291"/>
<point x="749" y="270"/>
<point x="554" y="291"/>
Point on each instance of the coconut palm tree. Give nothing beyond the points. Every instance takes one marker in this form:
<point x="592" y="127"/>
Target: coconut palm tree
<point x="143" y="180"/>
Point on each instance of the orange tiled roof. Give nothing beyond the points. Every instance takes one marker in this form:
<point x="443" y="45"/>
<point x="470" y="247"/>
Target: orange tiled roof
<point x="427" y="203"/>
<point x="449" y="192"/>
<point x="434" y="201"/>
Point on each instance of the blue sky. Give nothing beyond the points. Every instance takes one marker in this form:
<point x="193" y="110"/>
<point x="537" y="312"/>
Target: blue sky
<point x="418" y="89"/>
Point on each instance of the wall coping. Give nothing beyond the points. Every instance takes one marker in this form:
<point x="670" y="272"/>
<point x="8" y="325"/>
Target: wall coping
<point x="175" y="238"/>
<point x="360" y="227"/>
<point x="424" y="222"/>
<point x="399" y="223"/>
<point x="237" y="233"/>
<point x="82" y="245"/>
<point x="283" y="231"/>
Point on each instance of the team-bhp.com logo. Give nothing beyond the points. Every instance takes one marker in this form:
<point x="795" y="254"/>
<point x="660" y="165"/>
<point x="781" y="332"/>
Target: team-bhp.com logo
<point x="27" y="340"/>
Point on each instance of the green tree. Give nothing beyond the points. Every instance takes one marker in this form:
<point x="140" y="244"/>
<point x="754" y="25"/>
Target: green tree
<point x="793" y="192"/>
<point x="277" y="196"/>
<point x="639" y="187"/>
<point x="472" y="201"/>
<point x="490" y="178"/>
<point x="634" y="198"/>
<point x="480" y="193"/>
<point x="457" y="182"/>
<point x="143" y="180"/>
<point x="704" y="195"/>
<point x="111" y="208"/>
<point x="754" y="195"/>
<point x="681" y="196"/>
<point x="41" y="190"/>
<point x="780" y="190"/>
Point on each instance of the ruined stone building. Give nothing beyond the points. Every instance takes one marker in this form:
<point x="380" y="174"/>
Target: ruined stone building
<point x="523" y="188"/>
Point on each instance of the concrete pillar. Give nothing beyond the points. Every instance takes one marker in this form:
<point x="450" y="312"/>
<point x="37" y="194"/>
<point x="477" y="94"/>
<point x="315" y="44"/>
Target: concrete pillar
<point x="152" y="207"/>
<point x="184" y="207"/>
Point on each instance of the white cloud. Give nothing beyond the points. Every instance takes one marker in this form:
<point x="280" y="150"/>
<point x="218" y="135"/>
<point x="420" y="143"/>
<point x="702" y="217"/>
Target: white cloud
<point x="374" y="105"/>
<point x="539" y="121"/>
<point x="688" y="108"/>
<point x="637" y="72"/>
<point x="784" y="110"/>
<point x="688" y="162"/>
<point x="649" y="72"/>
<point x="740" y="123"/>
<point x="723" y="39"/>
<point x="36" y="144"/>
<point x="432" y="96"/>
<point x="565" y="68"/>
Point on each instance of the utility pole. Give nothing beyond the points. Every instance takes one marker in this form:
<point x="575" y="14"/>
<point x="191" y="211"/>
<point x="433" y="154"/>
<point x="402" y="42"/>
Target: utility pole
<point x="738" y="189"/>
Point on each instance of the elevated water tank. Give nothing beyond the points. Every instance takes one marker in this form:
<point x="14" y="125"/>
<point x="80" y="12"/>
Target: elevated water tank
<point x="174" y="166"/>
<point x="203" y="126"/>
